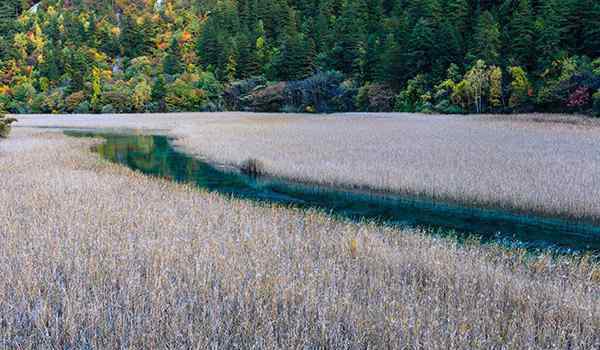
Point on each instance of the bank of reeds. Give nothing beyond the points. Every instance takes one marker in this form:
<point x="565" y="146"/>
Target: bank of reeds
<point x="94" y="255"/>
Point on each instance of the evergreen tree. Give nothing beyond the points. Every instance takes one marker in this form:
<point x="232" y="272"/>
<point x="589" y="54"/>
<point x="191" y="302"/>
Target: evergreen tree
<point x="50" y="66"/>
<point x="374" y="16"/>
<point x="458" y="12"/>
<point x="159" y="92"/>
<point x="548" y="32"/>
<point x="172" y="62"/>
<point x="573" y="14"/>
<point x="321" y="30"/>
<point x="421" y="47"/>
<point x="522" y="34"/>
<point x="370" y="60"/>
<point x="447" y="49"/>
<point x="77" y="68"/>
<point x="210" y="47"/>
<point x="591" y="36"/>
<point x="348" y="35"/>
<point x="486" y="40"/>
<point x="291" y="62"/>
<point x="247" y="63"/>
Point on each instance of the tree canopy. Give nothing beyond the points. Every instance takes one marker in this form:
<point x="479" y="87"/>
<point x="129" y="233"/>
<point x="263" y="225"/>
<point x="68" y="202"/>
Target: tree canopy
<point x="149" y="55"/>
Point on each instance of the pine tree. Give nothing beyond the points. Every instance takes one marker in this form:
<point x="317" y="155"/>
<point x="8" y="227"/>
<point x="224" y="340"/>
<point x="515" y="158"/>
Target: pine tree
<point x="458" y="12"/>
<point x="210" y="48"/>
<point x="348" y="35"/>
<point x="172" y="62"/>
<point x="159" y="92"/>
<point x="548" y="33"/>
<point x="421" y="45"/>
<point x="429" y="10"/>
<point x="291" y="62"/>
<point x="486" y="40"/>
<point x="393" y="71"/>
<point x="395" y="53"/>
<point x="321" y="30"/>
<point x="447" y="49"/>
<point x="573" y="14"/>
<point x="591" y="34"/>
<point x="50" y="67"/>
<point x="522" y="34"/>
<point x="374" y="16"/>
<point x="370" y="60"/>
<point x="247" y="64"/>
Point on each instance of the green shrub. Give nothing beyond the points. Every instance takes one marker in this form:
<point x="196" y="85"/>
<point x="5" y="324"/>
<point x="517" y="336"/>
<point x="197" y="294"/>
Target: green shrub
<point x="73" y="101"/>
<point x="23" y="95"/>
<point x="142" y="94"/>
<point x="83" y="108"/>
<point x="53" y="102"/>
<point x="409" y="99"/>
<point x="596" y="104"/>
<point x="520" y="89"/>
<point x="184" y="95"/>
<point x="5" y="123"/>
<point x="375" y="98"/>
<point x="139" y="66"/>
<point x="107" y="109"/>
<point x="119" y="96"/>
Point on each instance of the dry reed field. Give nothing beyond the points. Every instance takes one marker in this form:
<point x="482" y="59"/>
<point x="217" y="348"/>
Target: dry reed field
<point x="93" y="255"/>
<point x="546" y="164"/>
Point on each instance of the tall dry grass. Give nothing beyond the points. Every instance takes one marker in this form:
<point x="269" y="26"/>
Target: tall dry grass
<point x="546" y="164"/>
<point x="93" y="255"/>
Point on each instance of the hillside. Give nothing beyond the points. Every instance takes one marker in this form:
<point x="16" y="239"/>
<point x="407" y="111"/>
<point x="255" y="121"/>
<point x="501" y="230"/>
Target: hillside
<point x="445" y="56"/>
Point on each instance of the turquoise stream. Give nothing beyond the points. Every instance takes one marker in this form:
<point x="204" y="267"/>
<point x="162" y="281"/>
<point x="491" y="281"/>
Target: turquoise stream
<point x="155" y="155"/>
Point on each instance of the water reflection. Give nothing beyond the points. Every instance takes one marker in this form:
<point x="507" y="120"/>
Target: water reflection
<point x="154" y="155"/>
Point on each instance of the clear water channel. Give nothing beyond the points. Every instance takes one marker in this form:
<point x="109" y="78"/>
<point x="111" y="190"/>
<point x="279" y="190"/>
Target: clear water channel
<point x="155" y="155"/>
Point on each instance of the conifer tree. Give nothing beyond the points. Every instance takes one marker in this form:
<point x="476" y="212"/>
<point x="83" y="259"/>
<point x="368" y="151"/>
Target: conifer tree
<point x="421" y="46"/>
<point x="348" y="34"/>
<point x="458" y="12"/>
<point x="522" y="34"/>
<point x="247" y="63"/>
<point x="486" y="40"/>
<point x="159" y="92"/>
<point x="291" y="62"/>
<point x="548" y="32"/>
<point x="591" y="42"/>
<point x="447" y="49"/>
<point x="210" y="48"/>
<point x="172" y="62"/>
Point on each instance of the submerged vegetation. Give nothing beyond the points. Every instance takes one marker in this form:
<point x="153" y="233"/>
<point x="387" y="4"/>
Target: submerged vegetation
<point x="443" y="56"/>
<point x="141" y="262"/>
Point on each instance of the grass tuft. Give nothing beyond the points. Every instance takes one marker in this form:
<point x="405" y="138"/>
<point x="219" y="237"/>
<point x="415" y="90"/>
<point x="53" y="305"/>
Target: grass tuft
<point x="252" y="167"/>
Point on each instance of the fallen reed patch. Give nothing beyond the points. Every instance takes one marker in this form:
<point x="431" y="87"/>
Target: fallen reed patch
<point x="95" y="255"/>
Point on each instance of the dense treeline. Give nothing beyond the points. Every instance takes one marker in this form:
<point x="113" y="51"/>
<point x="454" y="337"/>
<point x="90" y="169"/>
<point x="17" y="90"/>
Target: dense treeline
<point x="449" y="56"/>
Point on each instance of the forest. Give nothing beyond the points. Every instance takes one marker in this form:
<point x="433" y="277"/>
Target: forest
<point x="430" y="56"/>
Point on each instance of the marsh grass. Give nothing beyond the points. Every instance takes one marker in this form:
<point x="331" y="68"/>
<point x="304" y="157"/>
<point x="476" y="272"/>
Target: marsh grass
<point x="531" y="164"/>
<point x="93" y="255"/>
